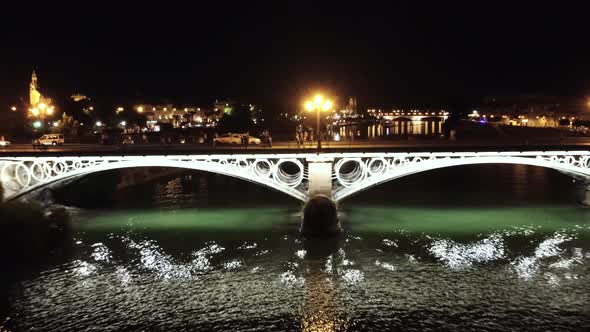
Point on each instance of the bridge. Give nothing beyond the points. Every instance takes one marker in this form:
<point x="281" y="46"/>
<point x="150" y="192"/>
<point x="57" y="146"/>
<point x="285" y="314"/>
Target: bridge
<point x="301" y="175"/>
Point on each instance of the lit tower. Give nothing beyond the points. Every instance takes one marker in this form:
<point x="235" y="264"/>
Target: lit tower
<point x="34" y="94"/>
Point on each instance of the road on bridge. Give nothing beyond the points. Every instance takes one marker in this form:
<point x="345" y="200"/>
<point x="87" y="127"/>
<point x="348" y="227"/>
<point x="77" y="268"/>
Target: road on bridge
<point x="290" y="147"/>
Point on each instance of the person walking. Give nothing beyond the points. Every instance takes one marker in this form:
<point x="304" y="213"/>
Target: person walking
<point x="269" y="140"/>
<point x="214" y="140"/>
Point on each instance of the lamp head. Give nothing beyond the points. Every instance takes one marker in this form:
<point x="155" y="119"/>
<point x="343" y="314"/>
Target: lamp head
<point x="318" y="100"/>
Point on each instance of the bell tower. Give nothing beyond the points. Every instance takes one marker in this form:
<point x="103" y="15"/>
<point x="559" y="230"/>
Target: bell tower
<point x="34" y="94"/>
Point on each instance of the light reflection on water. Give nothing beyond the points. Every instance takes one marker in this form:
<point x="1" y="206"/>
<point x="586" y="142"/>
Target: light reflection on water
<point x="397" y="266"/>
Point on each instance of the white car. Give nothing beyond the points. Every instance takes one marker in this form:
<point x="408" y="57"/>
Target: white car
<point x="4" y="142"/>
<point x="229" y="139"/>
<point x="254" y="140"/>
<point x="235" y="139"/>
<point x="49" y="139"/>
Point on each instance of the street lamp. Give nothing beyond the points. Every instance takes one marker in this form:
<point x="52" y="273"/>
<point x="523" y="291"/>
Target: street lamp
<point x="41" y="110"/>
<point x="318" y="104"/>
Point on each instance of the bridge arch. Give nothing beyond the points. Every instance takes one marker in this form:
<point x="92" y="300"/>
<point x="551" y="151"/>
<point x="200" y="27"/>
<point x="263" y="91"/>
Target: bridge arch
<point x="371" y="172"/>
<point x="21" y="176"/>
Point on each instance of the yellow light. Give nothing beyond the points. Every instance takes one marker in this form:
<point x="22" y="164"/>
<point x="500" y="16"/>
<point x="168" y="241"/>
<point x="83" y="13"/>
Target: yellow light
<point x="13" y="108"/>
<point x="42" y="106"/>
<point x="140" y="109"/>
<point x="120" y="109"/>
<point x="49" y="111"/>
<point x="309" y="106"/>
<point x="318" y="100"/>
<point x="327" y="105"/>
<point x="35" y="111"/>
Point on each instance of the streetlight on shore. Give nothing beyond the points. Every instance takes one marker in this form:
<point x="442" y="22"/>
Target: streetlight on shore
<point x="41" y="110"/>
<point x="318" y="104"/>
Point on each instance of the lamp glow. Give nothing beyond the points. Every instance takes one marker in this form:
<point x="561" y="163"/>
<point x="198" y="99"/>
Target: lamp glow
<point x="318" y="100"/>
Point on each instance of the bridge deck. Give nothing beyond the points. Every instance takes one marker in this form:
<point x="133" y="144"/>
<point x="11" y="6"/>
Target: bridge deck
<point x="182" y="149"/>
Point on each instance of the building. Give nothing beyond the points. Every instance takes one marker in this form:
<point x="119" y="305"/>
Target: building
<point x="350" y="109"/>
<point x="530" y="111"/>
<point x="78" y="97"/>
<point x="35" y="96"/>
<point x="178" y="117"/>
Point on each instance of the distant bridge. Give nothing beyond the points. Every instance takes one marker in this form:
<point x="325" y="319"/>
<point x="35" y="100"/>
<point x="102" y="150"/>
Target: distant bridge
<point x="300" y="175"/>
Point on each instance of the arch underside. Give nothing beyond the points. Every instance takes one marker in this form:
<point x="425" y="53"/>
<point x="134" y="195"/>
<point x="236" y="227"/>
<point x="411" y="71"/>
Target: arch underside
<point x="243" y="172"/>
<point x="577" y="169"/>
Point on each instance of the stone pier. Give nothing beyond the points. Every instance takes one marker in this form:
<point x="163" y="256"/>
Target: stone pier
<point x="320" y="215"/>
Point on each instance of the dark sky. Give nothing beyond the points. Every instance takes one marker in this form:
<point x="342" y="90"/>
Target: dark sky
<point x="413" y="53"/>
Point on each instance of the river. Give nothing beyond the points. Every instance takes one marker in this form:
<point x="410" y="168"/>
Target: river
<point x="492" y="247"/>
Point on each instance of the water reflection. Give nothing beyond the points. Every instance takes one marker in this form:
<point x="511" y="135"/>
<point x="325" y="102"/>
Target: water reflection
<point x="396" y="127"/>
<point x="320" y="309"/>
<point x="397" y="265"/>
<point x="347" y="283"/>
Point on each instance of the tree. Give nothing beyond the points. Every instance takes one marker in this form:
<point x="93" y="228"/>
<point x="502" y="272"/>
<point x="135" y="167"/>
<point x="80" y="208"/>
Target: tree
<point x="238" y="120"/>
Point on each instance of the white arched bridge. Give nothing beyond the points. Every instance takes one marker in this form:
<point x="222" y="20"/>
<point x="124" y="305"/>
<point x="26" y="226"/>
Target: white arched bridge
<point x="300" y="175"/>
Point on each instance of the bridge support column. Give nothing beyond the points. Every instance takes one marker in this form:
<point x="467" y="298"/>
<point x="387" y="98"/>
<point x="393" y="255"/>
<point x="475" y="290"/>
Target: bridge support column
<point x="320" y="176"/>
<point x="320" y="216"/>
<point x="586" y="200"/>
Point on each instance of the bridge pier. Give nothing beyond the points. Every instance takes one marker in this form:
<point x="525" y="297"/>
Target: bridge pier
<point x="320" y="216"/>
<point x="586" y="200"/>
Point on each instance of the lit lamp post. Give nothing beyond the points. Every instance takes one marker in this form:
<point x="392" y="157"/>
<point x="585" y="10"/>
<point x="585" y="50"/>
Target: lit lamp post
<point x="42" y="110"/>
<point x="318" y="104"/>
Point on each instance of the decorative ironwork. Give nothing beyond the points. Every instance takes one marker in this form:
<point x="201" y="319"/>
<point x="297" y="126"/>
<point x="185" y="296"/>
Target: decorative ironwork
<point x="20" y="175"/>
<point x="354" y="172"/>
<point x="288" y="173"/>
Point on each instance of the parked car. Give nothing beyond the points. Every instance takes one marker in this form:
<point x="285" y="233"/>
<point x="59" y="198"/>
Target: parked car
<point x="254" y="140"/>
<point x="229" y="139"/>
<point x="49" y="139"/>
<point x="4" y="142"/>
<point x="236" y="139"/>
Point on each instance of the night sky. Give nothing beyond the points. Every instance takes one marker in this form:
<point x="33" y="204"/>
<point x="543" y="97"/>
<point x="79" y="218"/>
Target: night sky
<point x="426" y="54"/>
